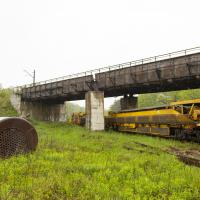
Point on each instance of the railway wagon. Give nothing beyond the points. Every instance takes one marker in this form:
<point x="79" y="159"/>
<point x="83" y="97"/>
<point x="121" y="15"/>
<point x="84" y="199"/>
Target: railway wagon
<point x="78" y="118"/>
<point x="178" y="119"/>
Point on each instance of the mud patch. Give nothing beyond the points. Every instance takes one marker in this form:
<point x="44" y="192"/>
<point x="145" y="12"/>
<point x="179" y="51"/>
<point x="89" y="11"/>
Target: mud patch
<point x="189" y="157"/>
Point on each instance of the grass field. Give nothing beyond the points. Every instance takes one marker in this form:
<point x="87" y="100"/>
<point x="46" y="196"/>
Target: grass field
<point x="73" y="163"/>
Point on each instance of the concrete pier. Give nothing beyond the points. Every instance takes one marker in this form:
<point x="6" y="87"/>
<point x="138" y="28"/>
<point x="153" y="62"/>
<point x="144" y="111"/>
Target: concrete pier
<point x="128" y="102"/>
<point x="94" y="105"/>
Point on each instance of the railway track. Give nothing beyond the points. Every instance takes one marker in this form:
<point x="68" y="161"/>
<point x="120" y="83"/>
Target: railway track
<point x="188" y="156"/>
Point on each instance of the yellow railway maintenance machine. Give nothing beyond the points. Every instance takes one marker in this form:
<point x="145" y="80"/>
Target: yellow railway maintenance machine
<point x="78" y="118"/>
<point x="178" y="119"/>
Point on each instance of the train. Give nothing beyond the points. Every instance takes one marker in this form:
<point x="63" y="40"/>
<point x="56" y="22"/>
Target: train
<point x="179" y="120"/>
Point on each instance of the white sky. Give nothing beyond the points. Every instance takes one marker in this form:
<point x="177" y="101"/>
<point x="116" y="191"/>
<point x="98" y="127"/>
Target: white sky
<point x="61" y="37"/>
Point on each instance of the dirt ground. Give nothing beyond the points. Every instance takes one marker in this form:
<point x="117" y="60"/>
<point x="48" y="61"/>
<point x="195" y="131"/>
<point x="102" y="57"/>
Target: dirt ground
<point x="190" y="157"/>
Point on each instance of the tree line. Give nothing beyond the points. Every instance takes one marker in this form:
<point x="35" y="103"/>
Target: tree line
<point x="159" y="99"/>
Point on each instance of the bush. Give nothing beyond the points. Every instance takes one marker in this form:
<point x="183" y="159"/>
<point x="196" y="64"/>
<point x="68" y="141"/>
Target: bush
<point x="6" y="109"/>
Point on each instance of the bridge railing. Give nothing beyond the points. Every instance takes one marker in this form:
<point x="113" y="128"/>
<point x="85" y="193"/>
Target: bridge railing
<point x="118" y="66"/>
<point x="152" y="59"/>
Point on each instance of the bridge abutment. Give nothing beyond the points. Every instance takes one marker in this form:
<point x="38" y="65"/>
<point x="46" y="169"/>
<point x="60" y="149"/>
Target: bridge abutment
<point x="128" y="102"/>
<point x="43" y="111"/>
<point x="94" y="105"/>
<point x="39" y="110"/>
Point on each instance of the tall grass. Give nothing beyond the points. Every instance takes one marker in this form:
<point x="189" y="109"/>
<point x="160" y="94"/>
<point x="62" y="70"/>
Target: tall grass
<point x="6" y="109"/>
<point x="73" y="163"/>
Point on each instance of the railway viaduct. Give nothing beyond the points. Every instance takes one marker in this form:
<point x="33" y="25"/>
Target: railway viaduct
<point x="173" y="71"/>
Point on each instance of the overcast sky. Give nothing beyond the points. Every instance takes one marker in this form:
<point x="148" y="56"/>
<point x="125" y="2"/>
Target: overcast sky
<point x="61" y="37"/>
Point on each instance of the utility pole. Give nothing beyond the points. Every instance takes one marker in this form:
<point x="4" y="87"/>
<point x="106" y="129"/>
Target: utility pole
<point x="32" y="75"/>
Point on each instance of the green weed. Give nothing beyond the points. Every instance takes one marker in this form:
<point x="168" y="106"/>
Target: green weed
<point x="73" y="163"/>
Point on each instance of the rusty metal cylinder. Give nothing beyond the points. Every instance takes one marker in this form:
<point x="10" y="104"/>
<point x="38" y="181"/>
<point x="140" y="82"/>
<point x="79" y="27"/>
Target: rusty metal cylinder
<point x="17" y="136"/>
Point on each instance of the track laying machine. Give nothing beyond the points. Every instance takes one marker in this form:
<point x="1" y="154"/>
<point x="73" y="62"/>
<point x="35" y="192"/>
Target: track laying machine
<point x="178" y="119"/>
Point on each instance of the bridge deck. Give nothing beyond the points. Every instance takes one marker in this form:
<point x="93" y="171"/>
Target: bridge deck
<point x="174" y="71"/>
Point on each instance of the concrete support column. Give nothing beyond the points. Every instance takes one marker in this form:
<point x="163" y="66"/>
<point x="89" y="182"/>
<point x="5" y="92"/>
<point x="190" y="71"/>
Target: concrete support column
<point x="94" y="105"/>
<point x="128" y="102"/>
